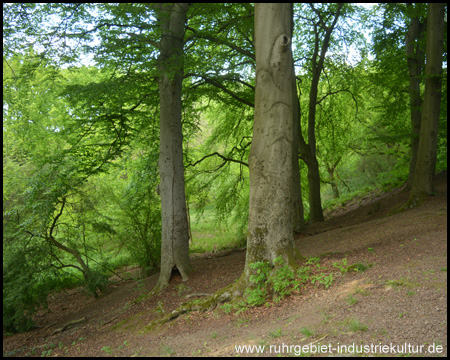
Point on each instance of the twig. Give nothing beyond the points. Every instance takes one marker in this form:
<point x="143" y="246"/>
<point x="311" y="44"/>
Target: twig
<point x="318" y="340"/>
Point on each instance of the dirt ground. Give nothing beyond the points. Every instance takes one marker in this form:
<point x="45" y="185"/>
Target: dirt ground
<point x="396" y="307"/>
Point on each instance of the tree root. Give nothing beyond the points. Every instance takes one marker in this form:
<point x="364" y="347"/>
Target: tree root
<point x="69" y="324"/>
<point x="196" y="295"/>
<point x="223" y="295"/>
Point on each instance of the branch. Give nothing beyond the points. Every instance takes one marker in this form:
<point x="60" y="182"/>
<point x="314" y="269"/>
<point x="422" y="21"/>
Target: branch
<point x="223" y="88"/>
<point x="143" y="39"/>
<point x="219" y="41"/>
<point x="333" y="93"/>
<point x="225" y="159"/>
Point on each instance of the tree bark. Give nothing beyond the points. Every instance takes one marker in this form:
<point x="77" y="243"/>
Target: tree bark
<point x="422" y="185"/>
<point x="415" y="60"/>
<point x="297" y="200"/>
<point x="270" y="228"/>
<point x="332" y="179"/>
<point x="175" y="231"/>
<point x="308" y="151"/>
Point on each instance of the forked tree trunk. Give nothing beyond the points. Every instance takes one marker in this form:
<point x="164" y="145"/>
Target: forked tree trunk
<point x="426" y="158"/>
<point x="175" y="232"/>
<point x="270" y="228"/>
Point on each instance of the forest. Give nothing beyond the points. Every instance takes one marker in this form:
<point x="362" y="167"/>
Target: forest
<point x="142" y="135"/>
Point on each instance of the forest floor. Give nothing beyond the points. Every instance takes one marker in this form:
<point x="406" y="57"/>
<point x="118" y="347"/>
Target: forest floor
<point x="399" y="302"/>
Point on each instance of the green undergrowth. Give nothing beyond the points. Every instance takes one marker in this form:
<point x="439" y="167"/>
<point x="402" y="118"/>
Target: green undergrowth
<point x="269" y="285"/>
<point x="209" y="234"/>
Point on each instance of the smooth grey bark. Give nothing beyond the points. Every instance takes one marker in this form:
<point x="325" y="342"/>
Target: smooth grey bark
<point x="415" y="60"/>
<point x="270" y="228"/>
<point x="422" y="185"/>
<point x="175" y="230"/>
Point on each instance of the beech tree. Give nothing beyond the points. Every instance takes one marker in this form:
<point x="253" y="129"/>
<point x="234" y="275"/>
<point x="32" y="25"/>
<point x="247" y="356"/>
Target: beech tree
<point x="175" y="232"/>
<point x="308" y="149"/>
<point x="422" y="185"/>
<point x="415" y="58"/>
<point x="270" y="227"/>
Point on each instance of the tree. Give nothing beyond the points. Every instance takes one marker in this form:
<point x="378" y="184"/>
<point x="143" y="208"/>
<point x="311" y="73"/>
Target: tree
<point x="399" y="45"/>
<point x="270" y="228"/>
<point x="422" y="185"/>
<point x="175" y="232"/>
<point x="415" y="59"/>
<point x="308" y="150"/>
<point x="337" y="118"/>
<point x="45" y="211"/>
<point x="298" y="215"/>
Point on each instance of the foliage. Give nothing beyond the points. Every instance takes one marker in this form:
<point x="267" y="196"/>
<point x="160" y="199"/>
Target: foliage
<point x="87" y="135"/>
<point x="51" y="206"/>
<point x="135" y="206"/>
<point x="280" y="280"/>
<point x="21" y="297"/>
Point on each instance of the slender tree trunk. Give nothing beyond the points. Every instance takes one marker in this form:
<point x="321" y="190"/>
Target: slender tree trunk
<point x="175" y="232"/>
<point x="422" y="185"/>
<point x="315" y="201"/>
<point x="415" y="61"/>
<point x="308" y="151"/>
<point x="332" y="180"/>
<point x="297" y="200"/>
<point x="270" y="228"/>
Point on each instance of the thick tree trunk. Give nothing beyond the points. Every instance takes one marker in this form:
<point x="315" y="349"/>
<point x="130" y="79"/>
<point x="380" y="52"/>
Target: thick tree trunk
<point x="415" y="61"/>
<point x="175" y="231"/>
<point x="426" y="158"/>
<point x="270" y="228"/>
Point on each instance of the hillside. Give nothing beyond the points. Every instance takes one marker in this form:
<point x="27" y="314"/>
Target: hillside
<point x="400" y="297"/>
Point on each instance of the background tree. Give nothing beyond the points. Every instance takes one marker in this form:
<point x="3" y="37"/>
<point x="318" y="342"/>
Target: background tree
<point x="323" y="27"/>
<point x="426" y="158"/>
<point x="399" y="49"/>
<point x="44" y="222"/>
<point x="415" y="46"/>
<point x="220" y="63"/>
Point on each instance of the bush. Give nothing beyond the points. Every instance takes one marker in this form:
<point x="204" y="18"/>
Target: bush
<point x="22" y="293"/>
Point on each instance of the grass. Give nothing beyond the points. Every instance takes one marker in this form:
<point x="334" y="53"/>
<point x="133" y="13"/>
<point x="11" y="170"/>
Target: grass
<point x="211" y="235"/>
<point x="307" y="332"/>
<point x="403" y="282"/>
<point x="166" y="350"/>
<point x="355" y="325"/>
<point x="351" y="300"/>
<point x="276" y="333"/>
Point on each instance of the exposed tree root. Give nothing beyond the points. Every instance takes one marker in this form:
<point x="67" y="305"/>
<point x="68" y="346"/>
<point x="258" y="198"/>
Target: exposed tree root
<point x="197" y="295"/>
<point x="226" y="294"/>
<point x="223" y="295"/>
<point x="69" y="324"/>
